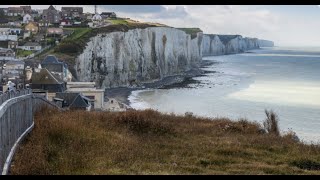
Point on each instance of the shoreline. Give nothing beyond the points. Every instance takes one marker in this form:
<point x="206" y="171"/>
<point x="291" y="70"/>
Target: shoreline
<point x="122" y="94"/>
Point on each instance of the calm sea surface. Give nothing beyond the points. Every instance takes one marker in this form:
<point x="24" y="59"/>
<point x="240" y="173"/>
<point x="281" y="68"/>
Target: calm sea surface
<point x="286" y="80"/>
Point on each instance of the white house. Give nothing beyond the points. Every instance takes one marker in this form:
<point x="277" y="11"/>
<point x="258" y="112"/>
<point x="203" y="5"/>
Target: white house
<point x="7" y="54"/>
<point x="31" y="46"/>
<point x="13" y="69"/>
<point x="8" y="37"/>
<point x="26" y="34"/>
<point x="96" y="17"/>
<point x="15" y="31"/>
<point x="27" y="18"/>
<point x="4" y="31"/>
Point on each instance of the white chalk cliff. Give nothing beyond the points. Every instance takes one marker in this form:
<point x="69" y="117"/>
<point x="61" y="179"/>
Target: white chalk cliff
<point x="265" y="43"/>
<point x="118" y="59"/>
<point x="139" y="55"/>
<point x="214" y="45"/>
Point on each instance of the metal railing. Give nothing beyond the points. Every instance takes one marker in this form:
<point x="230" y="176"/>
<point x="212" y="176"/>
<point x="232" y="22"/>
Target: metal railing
<point x="16" y="120"/>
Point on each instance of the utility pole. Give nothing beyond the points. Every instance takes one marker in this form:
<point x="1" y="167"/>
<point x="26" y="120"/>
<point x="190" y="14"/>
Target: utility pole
<point x="95" y="9"/>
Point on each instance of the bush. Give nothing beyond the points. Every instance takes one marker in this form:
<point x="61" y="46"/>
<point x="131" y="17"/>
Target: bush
<point x="271" y="123"/>
<point x="67" y="47"/>
<point x="306" y="164"/>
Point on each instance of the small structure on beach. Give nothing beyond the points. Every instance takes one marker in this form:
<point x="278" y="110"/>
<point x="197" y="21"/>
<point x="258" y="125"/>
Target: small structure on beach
<point x="114" y="105"/>
<point x="89" y="90"/>
<point x="72" y="101"/>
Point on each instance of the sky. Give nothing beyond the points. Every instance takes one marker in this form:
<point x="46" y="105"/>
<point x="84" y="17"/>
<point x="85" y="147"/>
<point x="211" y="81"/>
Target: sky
<point x="286" y="25"/>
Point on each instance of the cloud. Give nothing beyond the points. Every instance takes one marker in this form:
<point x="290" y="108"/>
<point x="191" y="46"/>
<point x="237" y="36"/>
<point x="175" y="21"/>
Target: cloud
<point x="132" y="8"/>
<point x="286" y="25"/>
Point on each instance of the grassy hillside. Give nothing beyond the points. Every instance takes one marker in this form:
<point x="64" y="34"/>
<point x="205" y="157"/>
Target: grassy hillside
<point x="147" y="142"/>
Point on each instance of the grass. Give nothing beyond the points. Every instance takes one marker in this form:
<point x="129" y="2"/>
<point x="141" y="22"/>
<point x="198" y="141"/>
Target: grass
<point x="118" y="21"/>
<point x="78" y="33"/>
<point x="23" y="53"/>
<point x="192" y="31"/>
<point x="148" y="142"/>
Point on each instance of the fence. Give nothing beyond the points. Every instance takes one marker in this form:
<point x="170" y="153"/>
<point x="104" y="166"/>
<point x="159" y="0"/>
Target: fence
<point x="16" y="121"/>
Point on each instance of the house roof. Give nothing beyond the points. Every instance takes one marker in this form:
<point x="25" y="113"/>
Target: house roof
<point x="51" y="8"/>
<point x="80" y="9"/>
<point x="107" y="13"/>
<point x="31" y="44"/>
<point x="32" y="23"/>
<point x="15" y="8"/>
<point x="5" y="50"/>
<point x="51" y="59"/>
<point x="45" y="77"/>
<point x="3" y="20"/>
<point x="14" y="62"/>
<point x="74" y="100"/>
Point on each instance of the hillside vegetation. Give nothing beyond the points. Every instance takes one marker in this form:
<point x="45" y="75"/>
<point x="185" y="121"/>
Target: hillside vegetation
<point x="192" y="31"/>
<point x="148" y="142"/>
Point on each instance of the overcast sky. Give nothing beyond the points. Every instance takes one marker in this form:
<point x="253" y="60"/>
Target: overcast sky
<point x="286" y="25"/>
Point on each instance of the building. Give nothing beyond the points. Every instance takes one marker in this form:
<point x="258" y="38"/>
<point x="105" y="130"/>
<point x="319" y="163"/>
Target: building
<point x="56" y="67"/>
<point x="43" y="23"/>
<point x="26" y="34"/>
<point x="89" y="90"/>
<point x="113" y="105"/>
<point x="12" y="44"/>
<point x="43" y="80"/>
<point x="10" y="31"/>
<point x="4" y="22"/>
<point x="32" y="27"/>
<point x="4" y="11"/>
<point x="15" y="31"/>
<point x="51" y="15"/>
<point x="31" y="46"/>
<point x="13" y="69"/>
<point x="66" y="22"/>
<point x="7" y="54"/>
<point x="27" y="18"/>
<point x="26" y="9"/>
<point x="15" y="11"/>
<point x="96" y="17"/>
<point x="4" y="31"/>
<point x="54" y="31"/>
<point x="35" y="14"/>
<point x="71" y="12"/>
<point x="14" y="23"/>
<point x="8" y="37"/>
<point x="72" y="100"/>
<point x="105" y="15"/>
<point x="88" y="16"/>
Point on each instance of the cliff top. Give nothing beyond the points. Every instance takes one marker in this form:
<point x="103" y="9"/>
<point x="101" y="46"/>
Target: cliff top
<point x="70" y="47"/>
<point x="192" y="31"/>
<point x="226" y="38"/>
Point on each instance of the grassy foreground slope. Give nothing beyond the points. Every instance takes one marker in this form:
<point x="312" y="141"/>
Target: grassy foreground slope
<point x="148" y="142"/>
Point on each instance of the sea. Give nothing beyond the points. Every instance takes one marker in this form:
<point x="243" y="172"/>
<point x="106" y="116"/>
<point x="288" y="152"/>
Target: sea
<point x="283" y="79"/>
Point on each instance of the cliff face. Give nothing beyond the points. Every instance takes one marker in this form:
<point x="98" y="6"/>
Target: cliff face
<point x="265" y="43"/>
<point x="139" y="55"/>
<point x="213" y="45"/>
